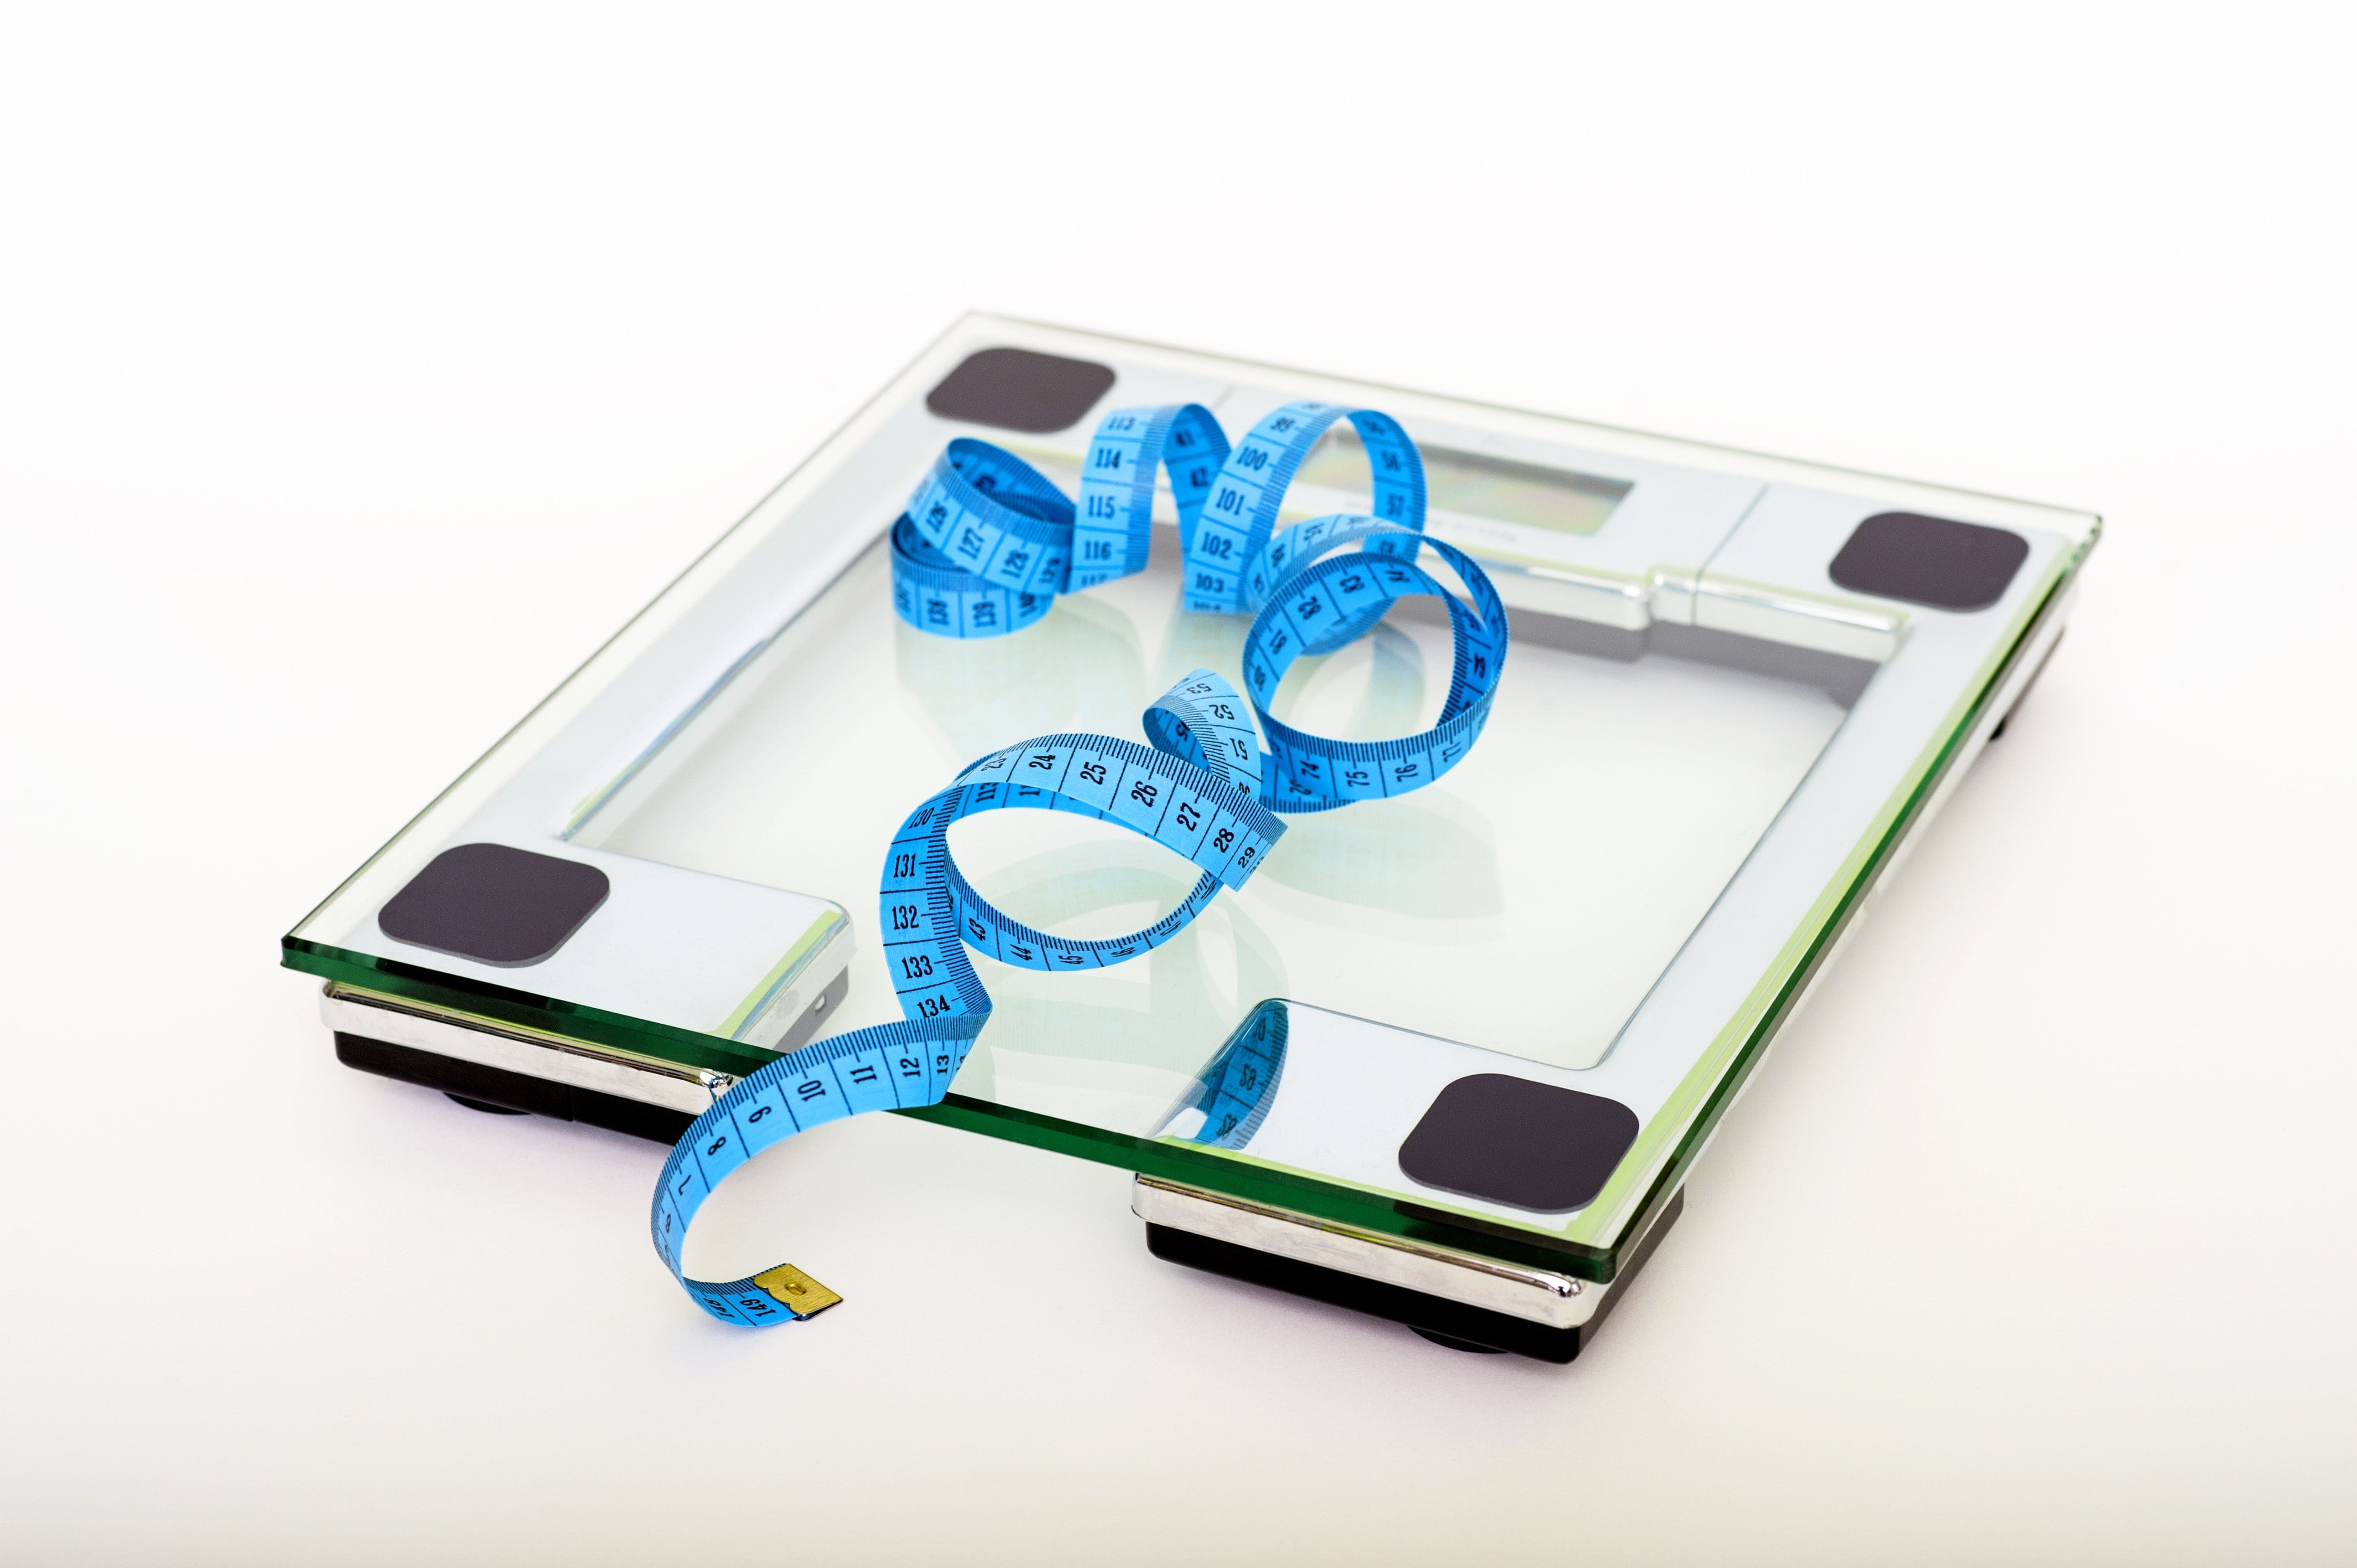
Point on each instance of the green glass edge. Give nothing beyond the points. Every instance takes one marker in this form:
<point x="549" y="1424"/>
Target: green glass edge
<point x="1257" y="1181"/>
<point x="1771" y="1003"/>
<point x="684" y="1048"/>
<point x="1260" y="1181"/>
<point x="1242" y="1175"/>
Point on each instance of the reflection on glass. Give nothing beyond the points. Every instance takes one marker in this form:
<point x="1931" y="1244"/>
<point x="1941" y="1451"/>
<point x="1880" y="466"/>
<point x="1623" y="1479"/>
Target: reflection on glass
<point x="985" y="692"/>
<point x="1524" y="904"/>
<point x="1231" y="1098"/>
<point x="1426" y="861"/>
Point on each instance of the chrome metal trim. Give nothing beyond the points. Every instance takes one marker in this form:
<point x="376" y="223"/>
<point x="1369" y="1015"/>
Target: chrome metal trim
<point x="349" y="1010"/>
<point x="2037" y="646"/>
<point x="1535" y="1295"/>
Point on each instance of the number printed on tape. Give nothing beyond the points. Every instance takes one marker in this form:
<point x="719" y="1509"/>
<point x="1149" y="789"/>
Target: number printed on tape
<point x="984" y="547"/>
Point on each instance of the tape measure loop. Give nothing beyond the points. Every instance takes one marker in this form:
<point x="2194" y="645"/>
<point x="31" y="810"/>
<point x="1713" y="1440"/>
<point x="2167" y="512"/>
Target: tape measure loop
<point x="1321" y="605"/>
<point x="995" y="517"/>
<point x="1116" y="508"/>
<point x="1241" y="514"/>
<point x="1202" y="720"/>
<point x="933" y="594"/>
<point x="1232" y="1095"/>
<point x="1186" y="808"/>
<point x="903" y="1064"/>
<point x="990" y="541"/>
<point x="984" y="548"/>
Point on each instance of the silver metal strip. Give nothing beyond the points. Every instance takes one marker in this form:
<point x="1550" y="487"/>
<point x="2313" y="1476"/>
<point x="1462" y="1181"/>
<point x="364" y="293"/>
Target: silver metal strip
<point x="2037" y="646"/>
<point x="575" y="1062"/>
<point x="1535" y="1295"/>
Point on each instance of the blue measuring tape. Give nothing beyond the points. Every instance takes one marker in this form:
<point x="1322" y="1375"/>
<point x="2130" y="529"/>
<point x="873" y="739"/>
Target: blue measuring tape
<point x="1233" y="1094"/>
<point x="986" y="545"/>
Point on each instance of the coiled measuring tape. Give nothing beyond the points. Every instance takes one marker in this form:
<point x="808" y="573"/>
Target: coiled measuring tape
<point x="986" y="545"/>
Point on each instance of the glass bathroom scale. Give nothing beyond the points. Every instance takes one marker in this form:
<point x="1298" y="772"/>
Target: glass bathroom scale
<point x="1448" y="1057"/>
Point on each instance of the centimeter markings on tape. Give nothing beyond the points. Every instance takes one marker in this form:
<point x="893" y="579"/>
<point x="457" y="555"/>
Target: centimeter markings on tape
<point x="986" y="545"/>
<point x="1233" y="1097"/>
<point x="1324" y="604"/>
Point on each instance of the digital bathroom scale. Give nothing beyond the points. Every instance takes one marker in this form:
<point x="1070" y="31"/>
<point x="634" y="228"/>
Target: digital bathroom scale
<point x="1449" y="1056"/>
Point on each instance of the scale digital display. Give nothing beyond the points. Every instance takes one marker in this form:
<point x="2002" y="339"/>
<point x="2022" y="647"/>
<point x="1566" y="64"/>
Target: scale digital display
<point x="1474" y="485"/>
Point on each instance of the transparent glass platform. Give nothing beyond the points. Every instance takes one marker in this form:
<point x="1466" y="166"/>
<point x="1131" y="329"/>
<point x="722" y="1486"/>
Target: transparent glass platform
<point x="1704" y="751"/>
<point x="1524" y="904"/>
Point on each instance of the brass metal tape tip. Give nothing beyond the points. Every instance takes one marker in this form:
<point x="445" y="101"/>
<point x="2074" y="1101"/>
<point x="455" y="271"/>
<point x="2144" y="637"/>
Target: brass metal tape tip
<point x="796" y="1291"/>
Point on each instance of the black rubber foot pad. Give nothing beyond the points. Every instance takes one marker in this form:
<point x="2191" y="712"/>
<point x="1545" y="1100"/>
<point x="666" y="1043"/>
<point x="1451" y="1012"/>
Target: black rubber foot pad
<point x="494" y="904"/>
<point x="1930" y="561"/>
<point x="1511" y="1139"/>
<point x="1015" y="389"/>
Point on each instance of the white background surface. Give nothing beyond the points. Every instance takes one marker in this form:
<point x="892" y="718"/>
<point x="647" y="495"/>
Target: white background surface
<point x="358" y="377"/>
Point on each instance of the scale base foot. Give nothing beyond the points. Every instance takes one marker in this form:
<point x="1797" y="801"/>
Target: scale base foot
<point x="1449" y="1323"/>
<point x="500" y="1092"/>
<point x="484" y="1106"/>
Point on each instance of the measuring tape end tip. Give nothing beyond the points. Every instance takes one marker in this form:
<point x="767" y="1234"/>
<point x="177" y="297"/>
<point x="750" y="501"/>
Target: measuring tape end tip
<point x="796" y="1291"/>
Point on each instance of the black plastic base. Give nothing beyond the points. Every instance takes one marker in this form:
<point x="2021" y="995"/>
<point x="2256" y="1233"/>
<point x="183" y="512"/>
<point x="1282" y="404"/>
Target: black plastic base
<point x="485" y="1106"/>
<point x="480" y="1088"/>
<point x="1448" y="1323"/>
